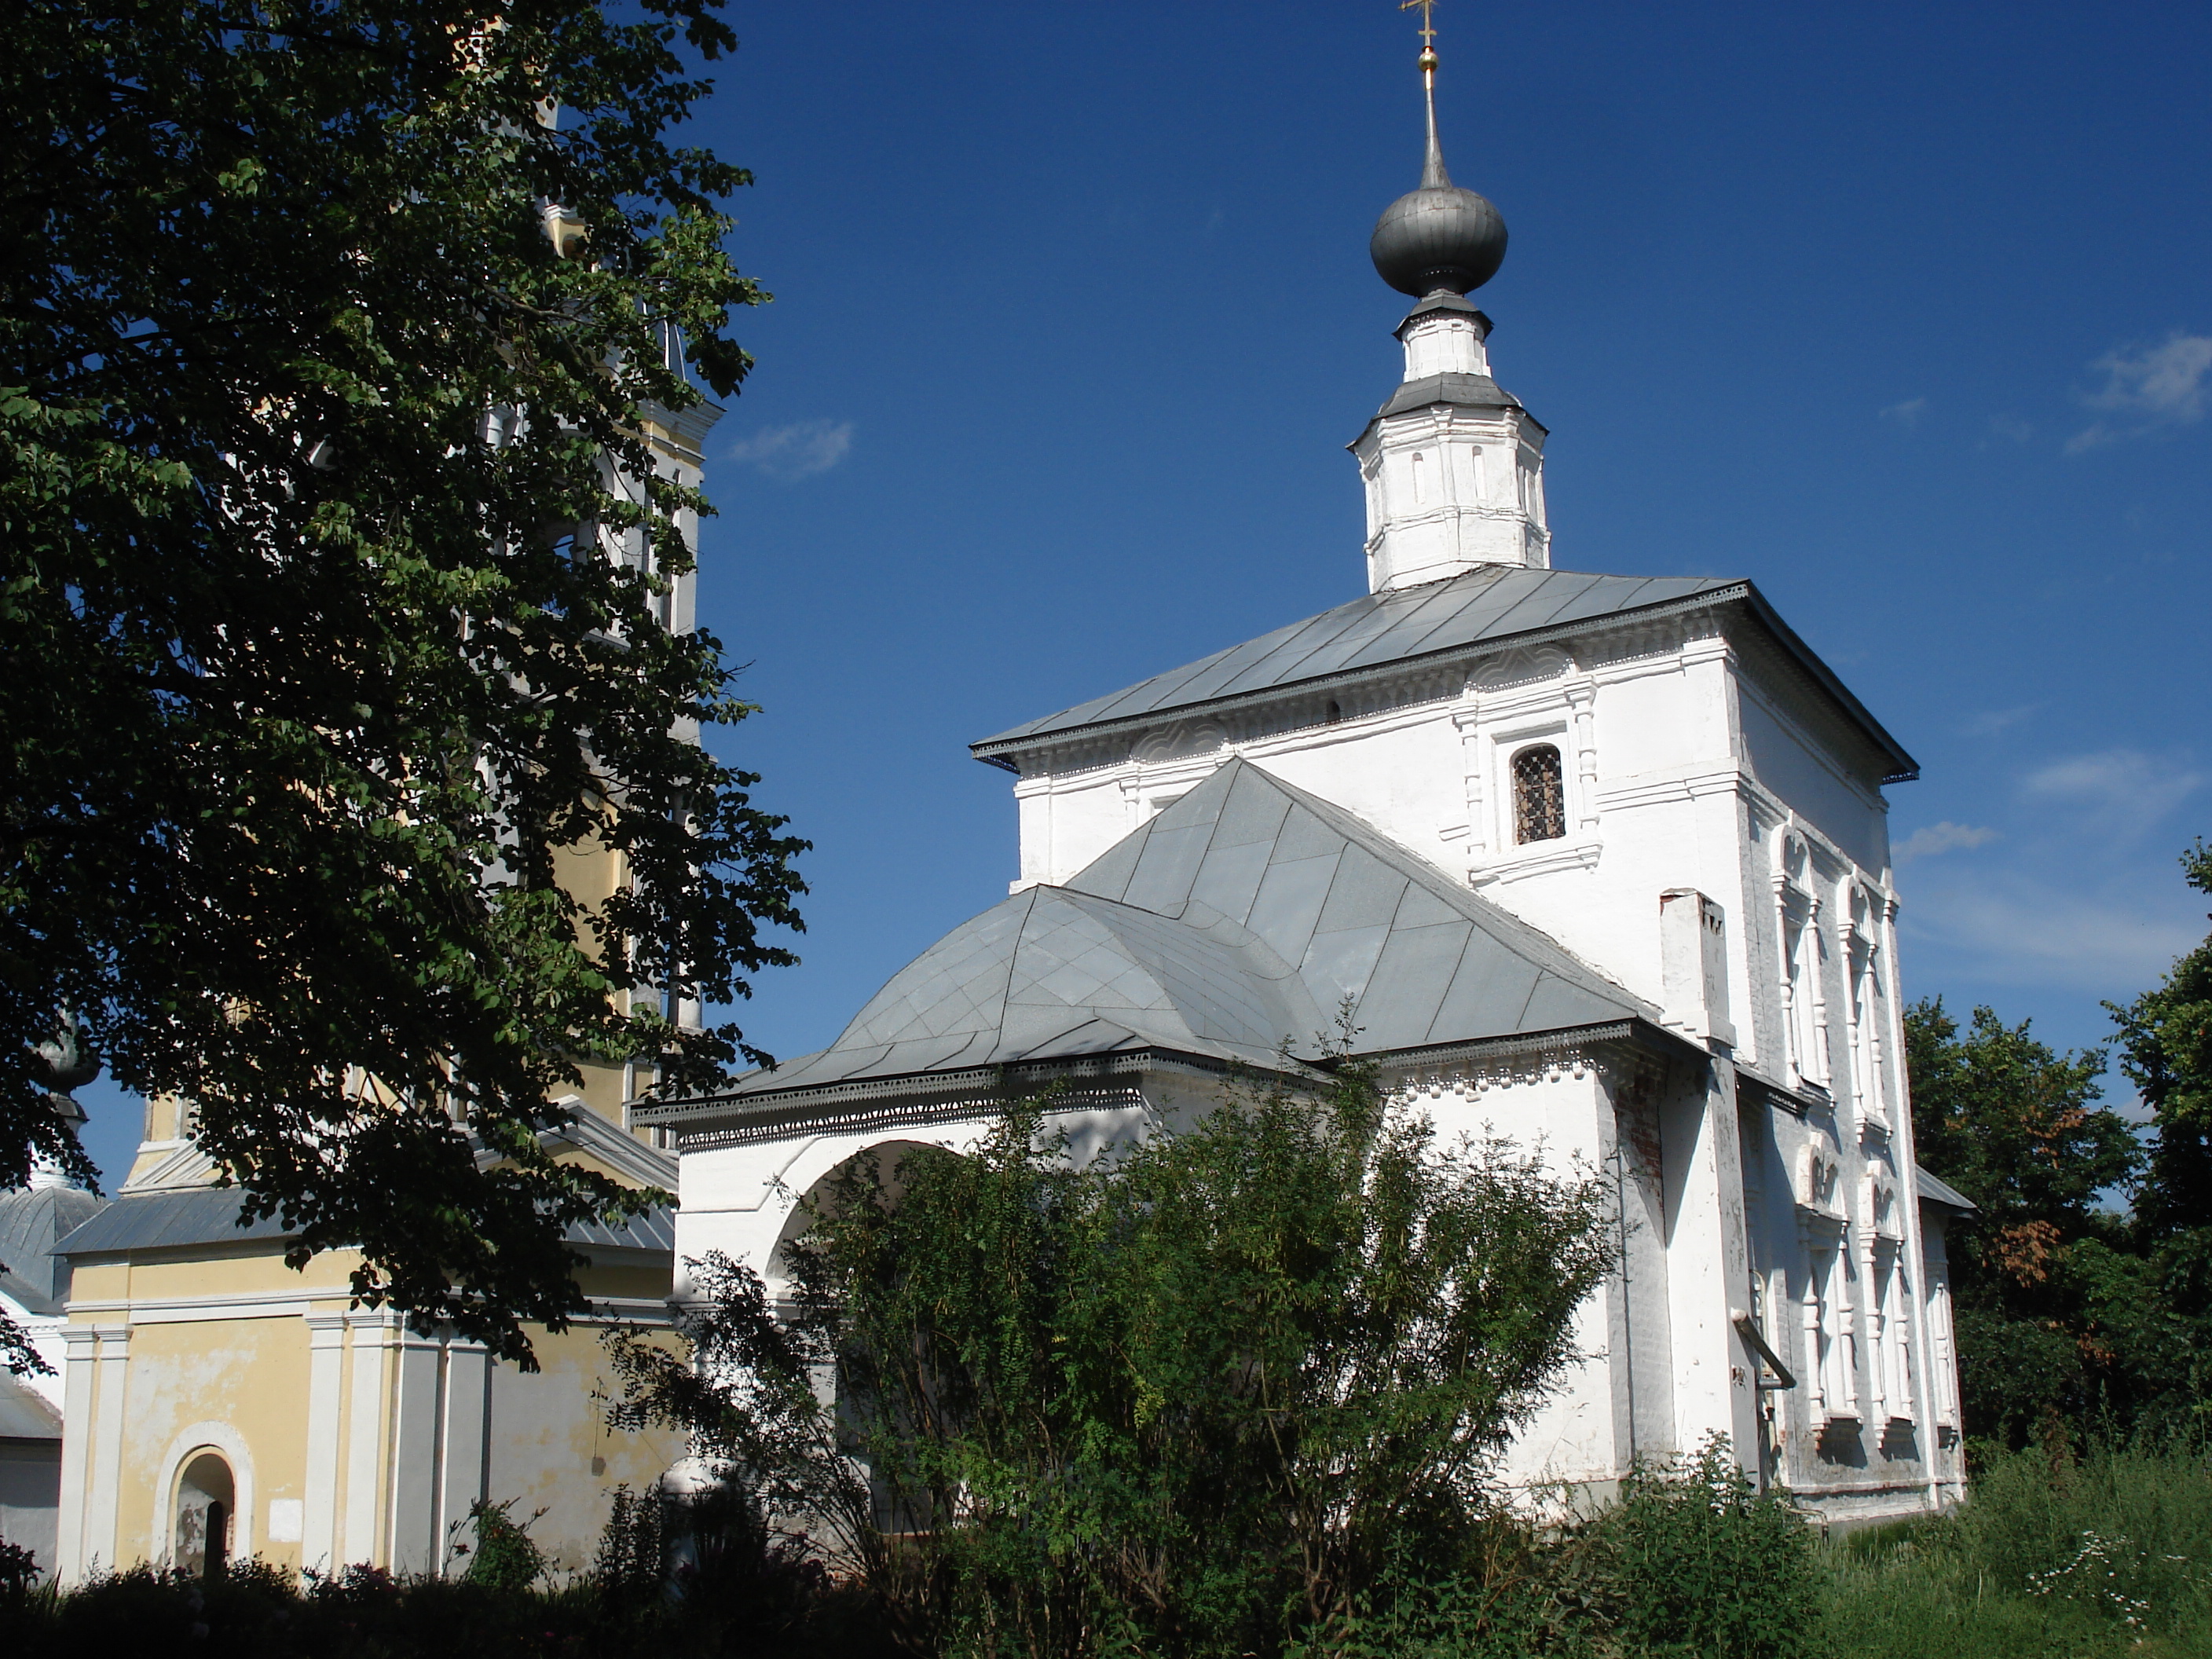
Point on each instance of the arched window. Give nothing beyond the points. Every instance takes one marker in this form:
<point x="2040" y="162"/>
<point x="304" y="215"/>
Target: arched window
<point x="205" y="1499"/>
<point x="1540" y="801"/>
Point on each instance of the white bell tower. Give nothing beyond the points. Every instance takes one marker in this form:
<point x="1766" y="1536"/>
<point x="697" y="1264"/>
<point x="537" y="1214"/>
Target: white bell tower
<point x="1454" y="465"/>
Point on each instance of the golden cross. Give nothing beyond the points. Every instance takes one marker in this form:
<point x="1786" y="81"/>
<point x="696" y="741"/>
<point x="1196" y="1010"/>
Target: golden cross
<point x="1428" y="24"/>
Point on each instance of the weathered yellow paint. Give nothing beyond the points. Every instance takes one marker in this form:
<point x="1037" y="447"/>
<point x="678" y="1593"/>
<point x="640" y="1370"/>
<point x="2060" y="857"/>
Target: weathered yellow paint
<point x="277" y="1371"/>
<point x="241" y="1371"/>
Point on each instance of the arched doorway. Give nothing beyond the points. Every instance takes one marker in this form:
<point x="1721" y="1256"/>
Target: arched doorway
<point x="207" y="1501"/>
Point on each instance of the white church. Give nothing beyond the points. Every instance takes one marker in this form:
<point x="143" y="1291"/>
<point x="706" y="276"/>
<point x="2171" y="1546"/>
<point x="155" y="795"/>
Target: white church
<point x="1599" y="860"/>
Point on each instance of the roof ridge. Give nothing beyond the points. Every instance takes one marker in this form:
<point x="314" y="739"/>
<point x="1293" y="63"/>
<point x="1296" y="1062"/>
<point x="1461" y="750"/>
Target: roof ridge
<point x="1480" y="910"/>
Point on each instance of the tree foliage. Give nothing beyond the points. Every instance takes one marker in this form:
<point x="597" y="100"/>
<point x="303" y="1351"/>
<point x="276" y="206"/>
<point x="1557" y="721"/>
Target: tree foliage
<point x="1195" y="1398"/>
<point x="2016" y="1126"/>
<point x="318" y="451"/>
<point x="2074" y="1311"/>
<point x="2165" y="1051"/>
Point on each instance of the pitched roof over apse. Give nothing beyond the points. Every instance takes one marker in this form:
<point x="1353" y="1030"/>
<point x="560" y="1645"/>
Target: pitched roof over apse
<point x="1240" y="917"/>
<point x="1424" y="960"/>
<point x="1052" y="974"/>
<point x="24" y="1415"/>
<point x="1478" y="609"/>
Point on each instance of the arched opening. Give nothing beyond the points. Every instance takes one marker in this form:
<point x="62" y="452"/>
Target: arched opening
<point x="1540" y="798"/>
<point x="878" y="1175"/>
<point x="207" y="1500"/>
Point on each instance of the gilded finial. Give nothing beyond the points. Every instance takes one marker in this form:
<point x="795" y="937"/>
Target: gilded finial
<point x="1433" y="167"/>
<point x="1428" y="32"/>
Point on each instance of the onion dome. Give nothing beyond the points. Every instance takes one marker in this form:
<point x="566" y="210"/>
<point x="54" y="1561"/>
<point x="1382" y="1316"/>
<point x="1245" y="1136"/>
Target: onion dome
<point x="1439" y="239"/>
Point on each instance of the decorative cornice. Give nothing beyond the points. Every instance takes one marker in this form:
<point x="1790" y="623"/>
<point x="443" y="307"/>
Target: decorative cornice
<point x="1538" y="858"/>
<point x="770" y="1113"/>
<point x="789" y="1125"/>
<point x="1567" y="1040"/>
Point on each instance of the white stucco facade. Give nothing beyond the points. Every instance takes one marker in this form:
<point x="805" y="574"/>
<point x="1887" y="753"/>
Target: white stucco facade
<point x="1678" y="806"/>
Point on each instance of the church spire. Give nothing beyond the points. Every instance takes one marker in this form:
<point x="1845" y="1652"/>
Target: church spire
<point x="1433" y="176"/>
<point x="1454" y="465"/>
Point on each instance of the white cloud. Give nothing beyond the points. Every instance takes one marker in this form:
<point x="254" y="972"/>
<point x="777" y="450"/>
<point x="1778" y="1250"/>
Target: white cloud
<point x="2021" y="930"/>
<point x="1929" y="840"/>
<point x="2104" y="805"/>
<point x="1992" y="721"/>
<point x="2012" y="427"/>
<point x="2165" y="386"/>
<point x="1907" y="414"/>
<point x="2143" y="786"/>
<point x="798" y="451"/>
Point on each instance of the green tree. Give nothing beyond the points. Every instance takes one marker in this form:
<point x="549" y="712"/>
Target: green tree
<point x="2165" y="1051"/>
<point x="332" y="546"/>
<point x="2015" y="1125"/>
<point x="1217" y="1392"/>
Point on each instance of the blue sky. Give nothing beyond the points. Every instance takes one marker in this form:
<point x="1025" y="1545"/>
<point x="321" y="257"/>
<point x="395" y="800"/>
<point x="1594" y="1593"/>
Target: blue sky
<point x="1902" y="312"/>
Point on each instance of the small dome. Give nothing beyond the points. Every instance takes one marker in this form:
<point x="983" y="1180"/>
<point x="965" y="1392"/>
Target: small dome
<point x="1438" y="237"/>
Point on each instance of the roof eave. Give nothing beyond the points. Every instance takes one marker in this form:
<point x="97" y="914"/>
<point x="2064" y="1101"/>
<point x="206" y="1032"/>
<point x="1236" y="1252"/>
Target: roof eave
<point x="991" y="750"/>
<point x="1630" y="1028"/>
<point x="1902" y="767"/>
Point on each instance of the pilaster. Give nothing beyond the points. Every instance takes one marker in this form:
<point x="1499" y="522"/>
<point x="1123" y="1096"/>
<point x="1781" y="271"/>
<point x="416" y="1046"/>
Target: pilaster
<point x="105" y="1487"/>
<point x="415" y="1462"/>
<point x="368" y="1414"/>
<point x="466" y="1412"/>
<point x="319" y="1536"/>
<point x="1708" y="1262"/>
<point x="80" y="1347"/>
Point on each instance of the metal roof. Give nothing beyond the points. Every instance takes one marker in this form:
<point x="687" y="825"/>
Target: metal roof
<point x="25" y="1413"/>
<point x="163" y="1220"/>
<point x="1467" y="390"/>
<point x="1943" y="1192"/>
<point x="1239" y="919"/>
<point x="1488" y="606"/>
<point x="193" y="1216"/>
<point x="33" y="1221"/>
<point x="1374" y="630"/>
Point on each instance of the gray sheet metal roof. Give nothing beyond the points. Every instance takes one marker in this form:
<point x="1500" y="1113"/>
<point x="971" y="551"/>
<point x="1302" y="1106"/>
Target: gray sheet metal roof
<point x="1426" y="960"/>
<point x="1484" y="607"/>
<point x="1467" y="390"/>
<point x="1239" y="918"/>
<point x="33" y="1221"/>
<point x="193" y="1216"/>
<point x="1375" y="630"/>
<point x="1941" y="1192"/>
<point x="25" y="1414"/>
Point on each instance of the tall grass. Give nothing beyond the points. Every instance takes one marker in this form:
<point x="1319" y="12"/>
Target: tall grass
<point x="2108" y="1553"/>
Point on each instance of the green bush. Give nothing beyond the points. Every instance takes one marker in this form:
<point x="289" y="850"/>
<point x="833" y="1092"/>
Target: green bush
<point x="2100" y="1558"/>
<point x="504" y="1556"/>
<point x="1701" y="1564"/>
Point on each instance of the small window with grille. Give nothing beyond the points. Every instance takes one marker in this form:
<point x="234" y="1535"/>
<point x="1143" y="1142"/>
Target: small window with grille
<point x="1539" y="802"/>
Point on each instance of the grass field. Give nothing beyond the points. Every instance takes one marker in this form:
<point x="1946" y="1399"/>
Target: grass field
<point x="2111" y="1553"/>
